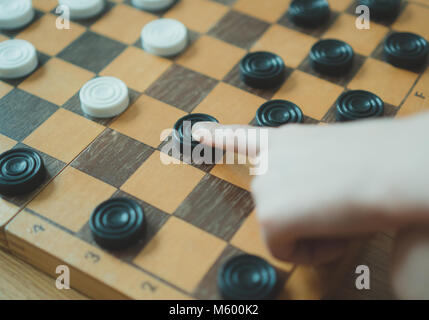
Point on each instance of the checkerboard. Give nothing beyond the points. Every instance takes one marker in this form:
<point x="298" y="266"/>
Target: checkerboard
<point x="197" y="216"/>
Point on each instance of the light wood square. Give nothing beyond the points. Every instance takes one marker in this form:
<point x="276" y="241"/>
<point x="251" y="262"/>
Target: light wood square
<point x="146" y="119"/>
<point x="45" y="5"/>
<point x="291" y="45"/>
<point x="415" y="102"/>
<point x="56" y="81"/>
<point x="3" y="38"/>
<point x="211" y="57"/>
<point x="70" y="198"/>
<point x="390" y="83"/>
<point x="123" y="23"/>
<point x="425" y="2"/>
<point x="197" y="15"/>
<point x="414" y="18"/>
<point x="137" y="68"/>
<point x="230" y="105"/>
<point x="313" y="95"/>
<point x="6" y="143"/>
<point x="249" y="239"/>
<point x="181" y="254"/>
<point x="4" y="89"/>
<point x="269" y="10"/>
<point x="44" y="35"/>
<point x="64" y="135"/>
<point x="7" y="211"/>
<point x="164" y="186"/>
<point x="340" y="5"/>
<point x="363" y="41"/>
<point x="237" y="174"/>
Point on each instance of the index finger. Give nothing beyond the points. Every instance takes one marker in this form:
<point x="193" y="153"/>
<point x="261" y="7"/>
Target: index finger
<point x="241" y="139"/>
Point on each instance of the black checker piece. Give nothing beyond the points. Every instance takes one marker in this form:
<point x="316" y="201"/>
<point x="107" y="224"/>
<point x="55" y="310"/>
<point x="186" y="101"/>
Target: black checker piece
<point x="382" y="9"/>
<point x="332" y="57"/>
<point x="262" y="70"/>
<point x="275" y="113"/>
<point x="117" y="223"/>
<point x="21" y="171"/>
<point x="247" y="277"/>
<point x="309" y="13"/>
<point x="406" y="50"/>
<point x="358" y="104"/>
<point x="183" y="128"/>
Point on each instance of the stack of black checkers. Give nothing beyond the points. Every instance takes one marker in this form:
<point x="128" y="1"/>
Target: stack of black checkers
<point x="117" y="223"/>
<point x="406" y="50"/>
<point x="332" y="57"/>
<point x="382" y="9"/>
<point x="309" y="13"/>
<point x="262" y="70"/>
<point x="21" y="171"/>
<point x="275" y="113"/>
<point x="358" y="104"/>
<point x="247" y="277"/>
<point x="182" y="133"/>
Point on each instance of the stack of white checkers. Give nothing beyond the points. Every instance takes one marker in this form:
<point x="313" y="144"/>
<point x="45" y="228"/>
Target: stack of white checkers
<point x="82" y="9"/>
<point x="18" y="58"/>
<point x="164" y="37"/>
<point x="15" y="14"/>
<point x="152" y="5"/>
<point x="104" y="97"/>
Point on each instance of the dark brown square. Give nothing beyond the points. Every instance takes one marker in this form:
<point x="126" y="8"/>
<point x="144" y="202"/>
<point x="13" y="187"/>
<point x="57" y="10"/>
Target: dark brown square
<point x="239" y="29"/>
<point x="181" y="87"/>
<point x="21" y="113"/>
<point x="112" y="157"/>
<point x="92" y="51"/>
<point x="216" y="206"/>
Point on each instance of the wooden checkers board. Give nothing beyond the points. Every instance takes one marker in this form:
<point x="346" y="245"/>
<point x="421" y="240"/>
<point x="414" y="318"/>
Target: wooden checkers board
<point x="197" y="216"/>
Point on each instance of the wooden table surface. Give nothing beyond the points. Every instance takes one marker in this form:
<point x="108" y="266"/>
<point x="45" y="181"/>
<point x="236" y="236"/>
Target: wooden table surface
<point x="19" y="280"/>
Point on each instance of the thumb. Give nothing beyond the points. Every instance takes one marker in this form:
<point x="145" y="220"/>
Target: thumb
<point x="241" y="139"/>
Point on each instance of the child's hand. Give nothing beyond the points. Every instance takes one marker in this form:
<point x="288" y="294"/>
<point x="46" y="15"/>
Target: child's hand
<point x="327" y="184"/>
